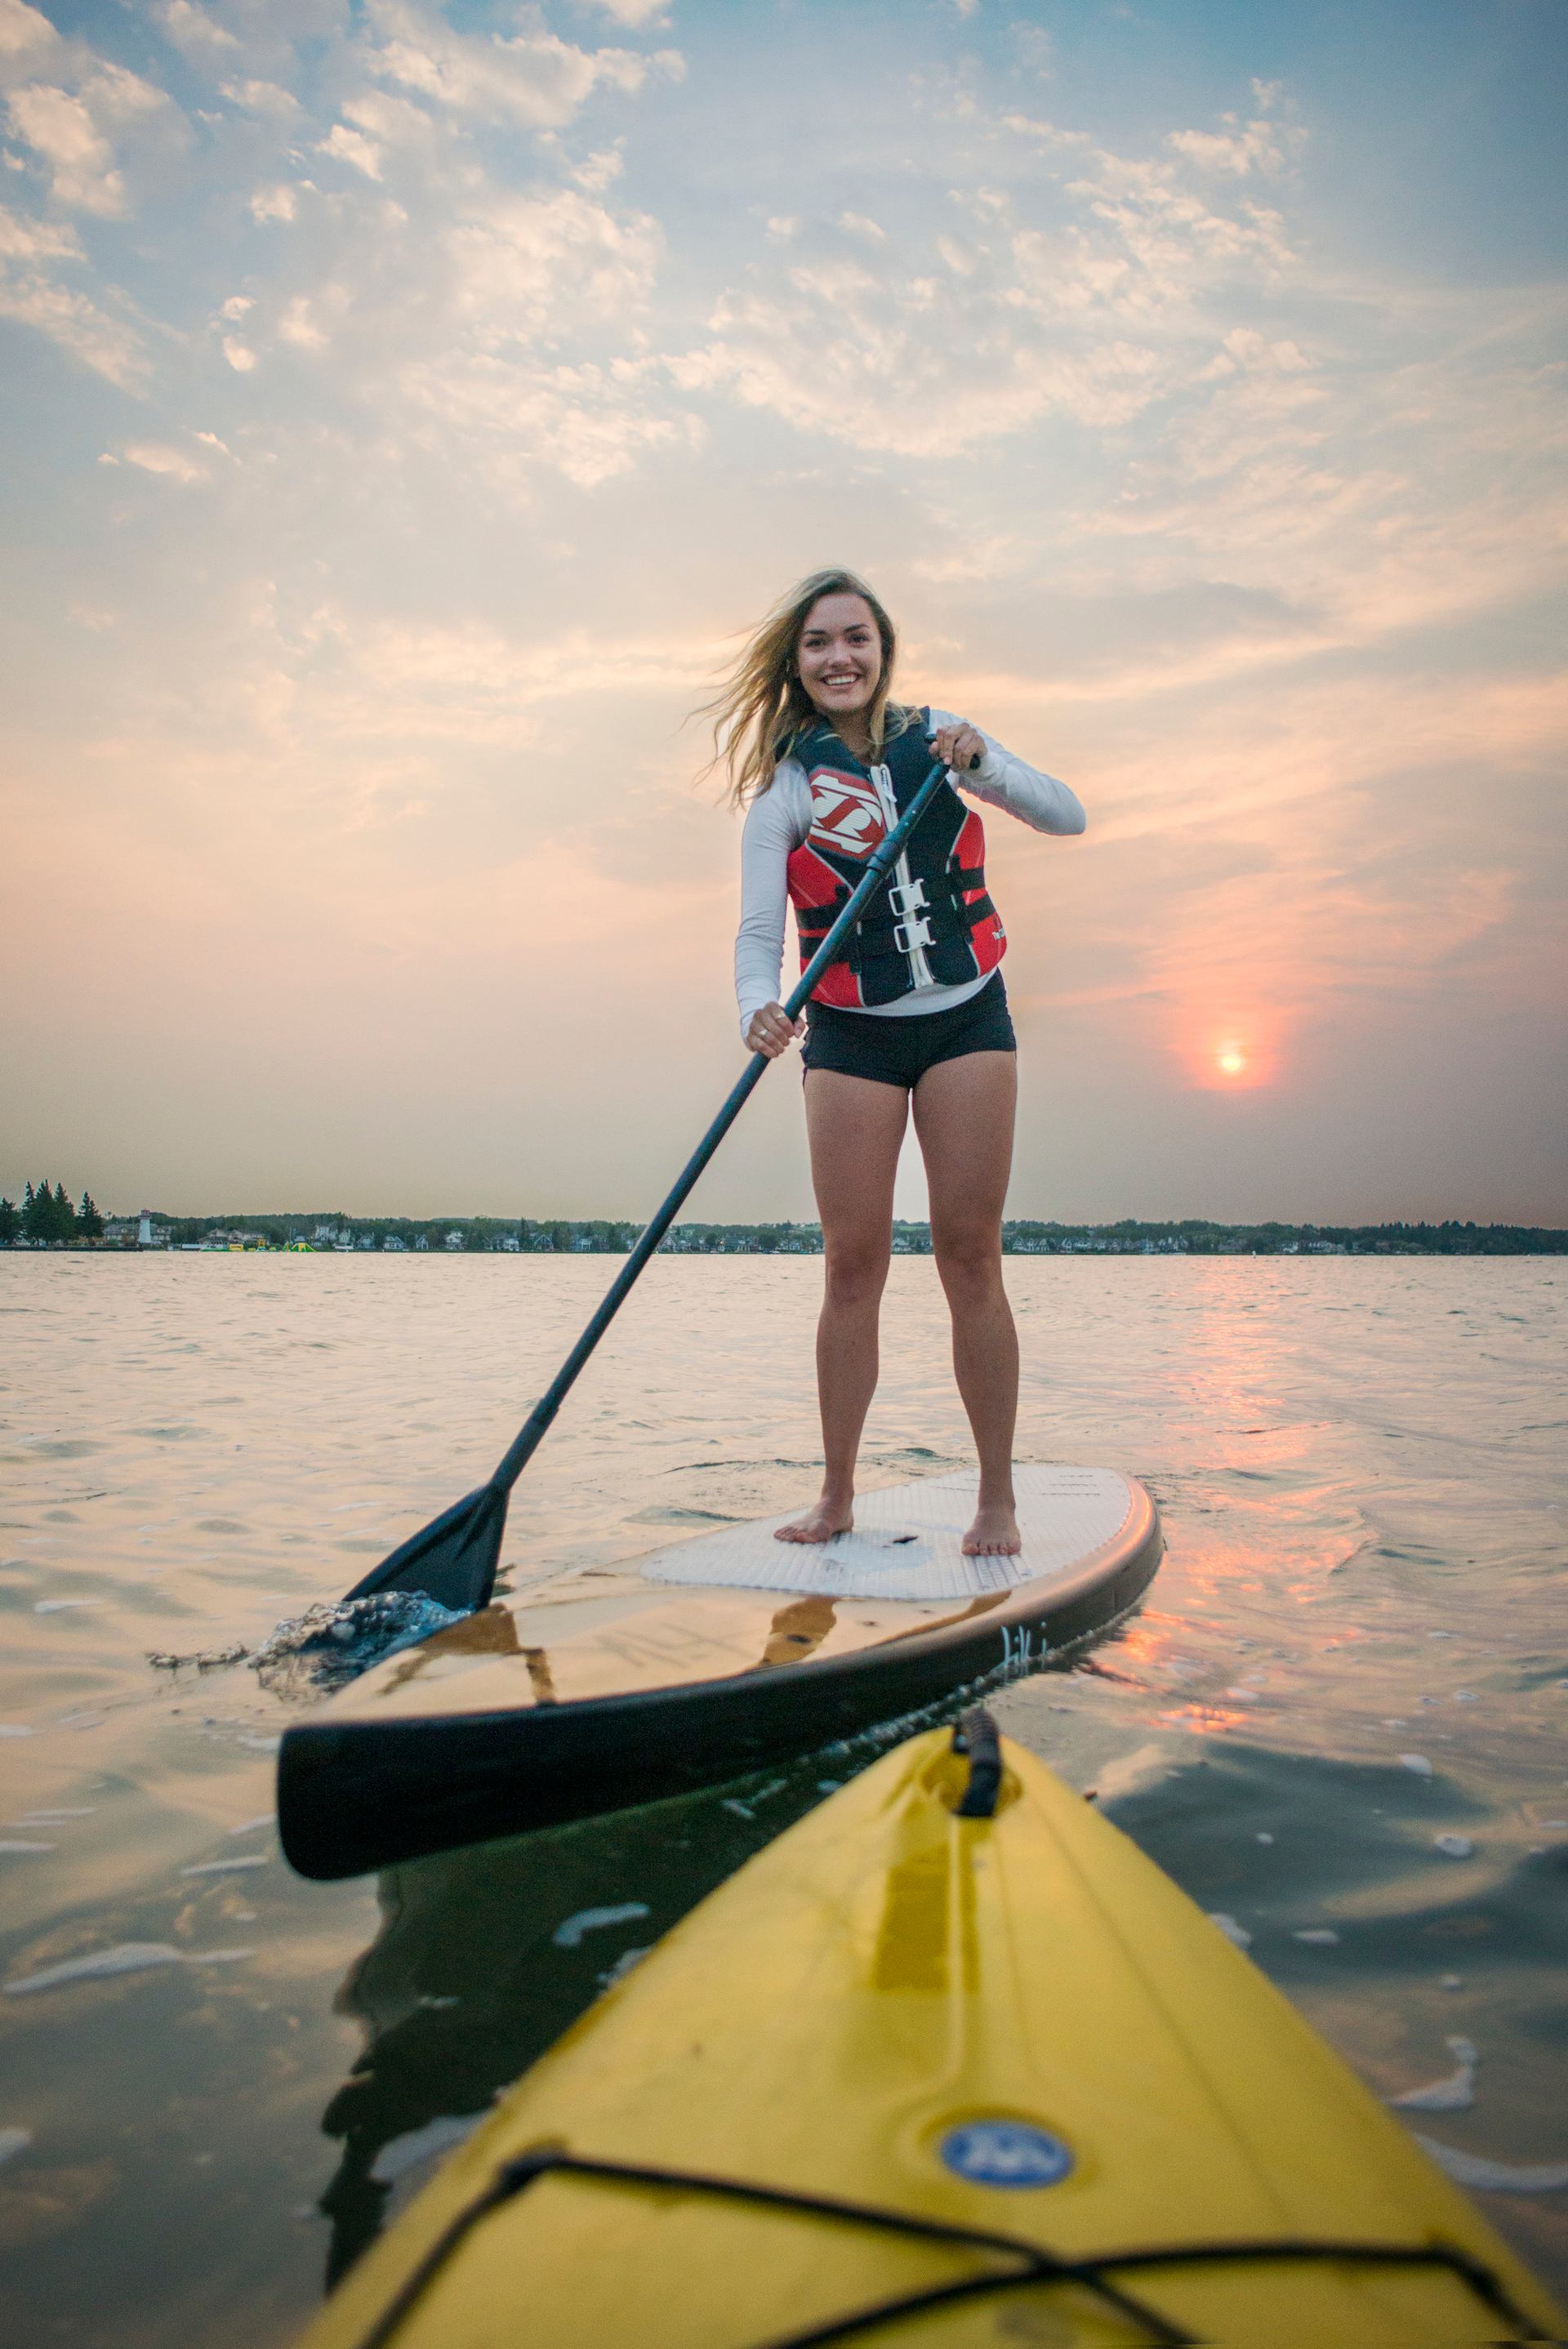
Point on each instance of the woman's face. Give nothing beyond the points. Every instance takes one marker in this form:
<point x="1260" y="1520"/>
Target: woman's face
<point x="840" y="656"/>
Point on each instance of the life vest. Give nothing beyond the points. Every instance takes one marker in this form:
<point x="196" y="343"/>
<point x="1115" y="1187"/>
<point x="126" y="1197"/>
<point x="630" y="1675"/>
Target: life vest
<point x="933" y="923"/>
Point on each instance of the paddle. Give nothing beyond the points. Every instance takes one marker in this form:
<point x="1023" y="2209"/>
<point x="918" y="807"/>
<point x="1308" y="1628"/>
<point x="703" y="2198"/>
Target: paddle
<point x="453" y="1559"/>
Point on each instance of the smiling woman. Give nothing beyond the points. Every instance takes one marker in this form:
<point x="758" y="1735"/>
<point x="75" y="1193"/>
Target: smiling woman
<point x="913" y="1014"/>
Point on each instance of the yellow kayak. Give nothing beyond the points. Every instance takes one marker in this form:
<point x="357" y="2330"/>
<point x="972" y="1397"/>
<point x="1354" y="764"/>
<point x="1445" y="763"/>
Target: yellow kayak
<point x="950" y="2062"/>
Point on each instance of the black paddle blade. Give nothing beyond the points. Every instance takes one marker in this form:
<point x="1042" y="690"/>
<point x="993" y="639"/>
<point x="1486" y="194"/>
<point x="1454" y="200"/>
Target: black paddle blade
<point x="453" y="1559"/>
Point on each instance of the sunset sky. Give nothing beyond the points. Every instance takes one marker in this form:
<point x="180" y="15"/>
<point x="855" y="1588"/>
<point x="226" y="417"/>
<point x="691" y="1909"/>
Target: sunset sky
<point x="405" y="408"/>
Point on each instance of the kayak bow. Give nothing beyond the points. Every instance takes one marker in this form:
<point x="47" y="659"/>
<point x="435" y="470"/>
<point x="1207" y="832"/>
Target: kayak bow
<point x="952" y="2062"/>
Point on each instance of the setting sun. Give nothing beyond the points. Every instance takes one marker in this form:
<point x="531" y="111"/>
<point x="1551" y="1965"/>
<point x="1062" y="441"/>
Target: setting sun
<point x="1240" y="1057"/>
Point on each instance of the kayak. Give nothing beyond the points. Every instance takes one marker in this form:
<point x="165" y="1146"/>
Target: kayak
<point x="950" y="2062"/>
<point x="592" y="1690"/>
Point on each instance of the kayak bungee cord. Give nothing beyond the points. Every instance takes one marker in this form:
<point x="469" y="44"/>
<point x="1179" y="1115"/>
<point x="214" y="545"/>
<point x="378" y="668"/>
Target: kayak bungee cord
<point x="1034" y="2266"/>
<point x="453" y="1559"/>
<point x="515" y="2177"/>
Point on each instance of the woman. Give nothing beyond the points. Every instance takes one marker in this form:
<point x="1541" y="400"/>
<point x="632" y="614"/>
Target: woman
<point x="823" y="760"/>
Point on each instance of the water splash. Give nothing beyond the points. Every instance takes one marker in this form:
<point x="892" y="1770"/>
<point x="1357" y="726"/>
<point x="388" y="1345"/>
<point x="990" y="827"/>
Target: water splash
<point x="331" y="1644"/>
<point x="327" y="1646"/>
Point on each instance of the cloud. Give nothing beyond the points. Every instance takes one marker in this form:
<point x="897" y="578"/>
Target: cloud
<point x="474" y="336"/>
<point x="275" y="203"/>
<point x="192" y="31"/>
<point x="1120" y="299"/>
<point x="1048" y="133"/>
<point x="393" y="120"/>
<point x="504" y="420"/>
<point x="600" y="171"/>
<point x="157" y="456"/>
<point x="1405" y="477"/>
<point x="633" y="13"/>
<point x="380" y="122"/>
<point x="24" y="33"/>
<point x="1034" y="48"/>
<point x="32" y="294"/>
<point x="375" y="679"/>
<point x="516" y="263"/>
<point x="1266" y="145"/>
<point x="844" y="356"/>
<point x="261" y="97"/>
<point x="532" y="79"/>
<point x="76" y="133"/>
<point x="346" y="146"/>
<point x="1149" y="247"/>
<point x="298" y="326"/>
<point x="35" y="241"/>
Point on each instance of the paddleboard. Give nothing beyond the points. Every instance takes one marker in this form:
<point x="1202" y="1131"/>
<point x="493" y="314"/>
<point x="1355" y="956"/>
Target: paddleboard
<point x="952" y="2062"/>
<point x="609" y="1686"/>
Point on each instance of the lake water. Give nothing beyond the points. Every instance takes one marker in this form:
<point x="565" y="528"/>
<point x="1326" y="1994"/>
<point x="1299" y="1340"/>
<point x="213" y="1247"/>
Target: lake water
<point x="1357" y="1646"/>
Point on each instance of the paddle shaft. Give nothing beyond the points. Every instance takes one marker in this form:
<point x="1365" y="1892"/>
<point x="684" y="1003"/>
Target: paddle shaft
<point x="528" y="1436"/>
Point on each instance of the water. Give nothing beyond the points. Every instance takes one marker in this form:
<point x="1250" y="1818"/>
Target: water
<point x="1360" y="1464"/>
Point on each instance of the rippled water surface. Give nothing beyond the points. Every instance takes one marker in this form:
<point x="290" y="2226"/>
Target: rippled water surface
<point x="1356" y="1648"/>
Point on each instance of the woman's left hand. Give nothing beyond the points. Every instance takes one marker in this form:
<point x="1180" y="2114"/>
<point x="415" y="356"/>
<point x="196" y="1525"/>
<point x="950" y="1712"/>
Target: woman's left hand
<point x="960" y="747"/>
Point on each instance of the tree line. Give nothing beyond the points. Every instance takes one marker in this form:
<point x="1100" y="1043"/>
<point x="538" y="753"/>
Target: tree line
<point x="46" y="1218"/>
<point x="47" y="1215"/>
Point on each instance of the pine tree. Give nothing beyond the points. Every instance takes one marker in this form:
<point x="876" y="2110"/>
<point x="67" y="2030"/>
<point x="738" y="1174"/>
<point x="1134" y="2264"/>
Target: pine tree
<point x="62" y="1216"/>
<point x="89" y="1223"/>
<point x="10" y="1222"/>
<point x="35" y="1215"/>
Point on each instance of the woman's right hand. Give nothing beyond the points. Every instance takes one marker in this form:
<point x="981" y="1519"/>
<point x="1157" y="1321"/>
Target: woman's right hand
<point x="771" y="1031"/>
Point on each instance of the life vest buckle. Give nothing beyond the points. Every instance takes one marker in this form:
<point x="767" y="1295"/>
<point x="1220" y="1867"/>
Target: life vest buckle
<point x="908" y="935"/>
<point x="907" y="897"/>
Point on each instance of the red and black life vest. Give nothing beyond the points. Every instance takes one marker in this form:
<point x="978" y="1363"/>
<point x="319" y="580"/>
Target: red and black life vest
<point x="933" y="922"/>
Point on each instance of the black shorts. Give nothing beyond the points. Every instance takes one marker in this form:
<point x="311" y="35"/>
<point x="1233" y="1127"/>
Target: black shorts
<point x="898" y="1051"/>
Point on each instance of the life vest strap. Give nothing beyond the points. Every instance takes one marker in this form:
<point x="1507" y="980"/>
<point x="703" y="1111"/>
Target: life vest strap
<point x="888" y="931"/>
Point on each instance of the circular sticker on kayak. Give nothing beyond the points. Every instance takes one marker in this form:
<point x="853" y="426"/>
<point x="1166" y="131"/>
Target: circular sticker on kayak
<point x="1004" y="2153"/>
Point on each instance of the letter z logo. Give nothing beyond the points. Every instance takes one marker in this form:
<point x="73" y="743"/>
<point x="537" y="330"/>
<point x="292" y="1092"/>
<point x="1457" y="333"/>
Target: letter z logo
<point x="845" y="815"/>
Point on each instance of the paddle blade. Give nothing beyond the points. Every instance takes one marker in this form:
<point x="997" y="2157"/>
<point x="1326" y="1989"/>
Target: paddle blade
<point x="453" y="1559"/>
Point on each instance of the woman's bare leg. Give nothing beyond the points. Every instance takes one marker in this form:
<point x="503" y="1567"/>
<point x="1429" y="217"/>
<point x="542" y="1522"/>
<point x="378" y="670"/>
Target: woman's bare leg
<point x="855" y="1127"/>
<point x="964" y="1112"/>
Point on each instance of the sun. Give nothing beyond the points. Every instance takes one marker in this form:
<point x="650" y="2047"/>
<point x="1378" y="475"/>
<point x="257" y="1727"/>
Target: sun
<point x="1235" y="1050"/>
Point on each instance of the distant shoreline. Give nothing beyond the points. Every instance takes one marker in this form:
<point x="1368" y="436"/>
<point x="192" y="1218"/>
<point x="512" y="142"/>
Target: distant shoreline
<point x="339" y="1234"/>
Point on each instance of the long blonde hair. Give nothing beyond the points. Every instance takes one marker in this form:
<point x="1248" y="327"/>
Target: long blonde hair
<point x="762" y="705"/>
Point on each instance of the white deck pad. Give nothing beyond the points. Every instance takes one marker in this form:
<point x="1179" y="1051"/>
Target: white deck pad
<point x="906" y="1541"/>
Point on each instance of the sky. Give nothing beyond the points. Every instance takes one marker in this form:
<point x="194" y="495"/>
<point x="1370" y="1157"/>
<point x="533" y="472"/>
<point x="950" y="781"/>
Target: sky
<point x="407" y="410"/>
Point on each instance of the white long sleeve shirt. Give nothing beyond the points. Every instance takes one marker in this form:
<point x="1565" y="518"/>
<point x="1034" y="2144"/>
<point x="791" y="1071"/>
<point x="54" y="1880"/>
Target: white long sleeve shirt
<point x="779" y="820"/>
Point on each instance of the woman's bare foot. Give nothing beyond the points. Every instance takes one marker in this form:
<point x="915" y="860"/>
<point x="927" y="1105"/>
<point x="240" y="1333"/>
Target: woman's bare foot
<point x="994" y="1532"/>
<point x="820" y="1522"/>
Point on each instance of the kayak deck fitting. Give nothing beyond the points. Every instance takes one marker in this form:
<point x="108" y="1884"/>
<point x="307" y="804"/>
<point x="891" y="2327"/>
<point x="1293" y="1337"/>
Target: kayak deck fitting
<point x="951" y="2061"/>
<point x="606" y="1687"/>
